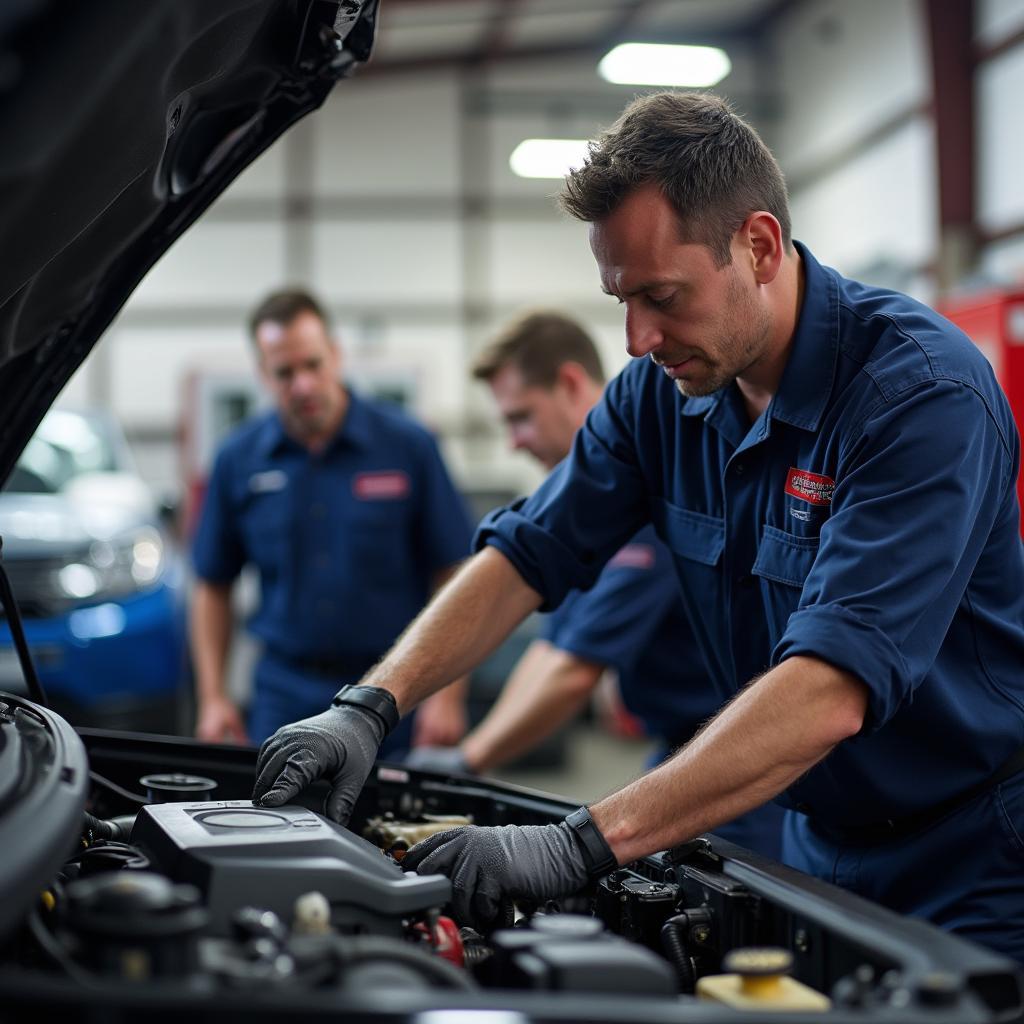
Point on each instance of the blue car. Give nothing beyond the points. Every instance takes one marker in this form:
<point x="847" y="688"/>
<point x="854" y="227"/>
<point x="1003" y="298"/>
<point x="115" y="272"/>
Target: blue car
<point x="98" y="581"/>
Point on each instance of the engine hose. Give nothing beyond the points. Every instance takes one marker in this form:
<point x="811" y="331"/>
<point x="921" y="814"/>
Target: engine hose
<point x="118" y="829"/>
<point x="675" y="948"/>
<point x="367" y="948"/>
<point x="475" y="952"/>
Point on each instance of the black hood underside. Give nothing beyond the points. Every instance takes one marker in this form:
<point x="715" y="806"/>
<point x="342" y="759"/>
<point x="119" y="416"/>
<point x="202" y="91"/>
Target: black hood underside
<point x="120" y="123"/>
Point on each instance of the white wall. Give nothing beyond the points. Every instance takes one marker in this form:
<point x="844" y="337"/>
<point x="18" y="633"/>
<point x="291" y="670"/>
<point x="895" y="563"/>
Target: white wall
<point x="1001" y="141"/>
<point x="998" y="19"/>
<point x="863" y="197"/>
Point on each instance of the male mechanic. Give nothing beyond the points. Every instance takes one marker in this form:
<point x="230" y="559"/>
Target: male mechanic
<point x="833" y="468"/>
<point x="344" y="506"/>
<point x="545" y="375"/>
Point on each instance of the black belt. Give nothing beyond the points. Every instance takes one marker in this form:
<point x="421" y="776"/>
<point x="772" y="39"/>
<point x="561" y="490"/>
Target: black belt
<point x="334" y="667"/>
<point x="901" y="828"/>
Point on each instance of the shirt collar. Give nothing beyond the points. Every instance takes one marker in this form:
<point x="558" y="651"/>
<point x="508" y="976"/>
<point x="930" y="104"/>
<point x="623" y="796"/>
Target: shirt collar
<point x="806" y="383"/>
<point x="807" y="379"/>
<point x="702" y="405"/>
<point x="355" y="431"/>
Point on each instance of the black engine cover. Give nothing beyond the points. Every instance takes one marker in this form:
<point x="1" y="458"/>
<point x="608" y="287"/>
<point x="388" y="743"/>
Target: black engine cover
<point x="239" y="855"/>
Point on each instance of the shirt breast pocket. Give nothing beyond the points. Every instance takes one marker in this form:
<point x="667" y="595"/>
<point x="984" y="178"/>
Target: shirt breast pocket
<point x="695" y="536"/>
<point x="267" y="528"/>
<point x="378" y="536"/>
<point x="783" y="563"/>
<point x="696" y="541"/>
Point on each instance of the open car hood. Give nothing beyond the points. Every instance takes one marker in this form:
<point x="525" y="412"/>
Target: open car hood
<point x="121" y="123"/>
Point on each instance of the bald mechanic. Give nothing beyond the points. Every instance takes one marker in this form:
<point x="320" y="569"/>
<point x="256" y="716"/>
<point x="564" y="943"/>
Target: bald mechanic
<point x="545" y="375"/>
<point x="833" y="467"/>
<point x="344" y="506"/>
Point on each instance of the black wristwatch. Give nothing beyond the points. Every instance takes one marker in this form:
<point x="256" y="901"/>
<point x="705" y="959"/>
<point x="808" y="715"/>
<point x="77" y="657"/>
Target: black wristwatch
<point x="596" y="852"/>
<point x="373" y="698"/>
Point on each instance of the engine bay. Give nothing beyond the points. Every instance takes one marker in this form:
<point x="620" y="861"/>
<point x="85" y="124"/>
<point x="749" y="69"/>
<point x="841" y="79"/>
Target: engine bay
<point x="144" y="878"/>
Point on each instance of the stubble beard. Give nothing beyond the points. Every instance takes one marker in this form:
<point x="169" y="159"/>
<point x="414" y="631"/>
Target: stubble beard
<point x="737" y="347"/>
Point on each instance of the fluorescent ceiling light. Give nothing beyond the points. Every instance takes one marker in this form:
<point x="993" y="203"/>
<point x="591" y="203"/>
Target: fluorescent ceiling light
<point x="547" y="158"/>
<point x="662" y="64"/>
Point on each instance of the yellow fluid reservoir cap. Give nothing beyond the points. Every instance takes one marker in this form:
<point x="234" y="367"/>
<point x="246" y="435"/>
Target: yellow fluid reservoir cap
<point x="757" y="979"/>
<point x="758" y="961"/>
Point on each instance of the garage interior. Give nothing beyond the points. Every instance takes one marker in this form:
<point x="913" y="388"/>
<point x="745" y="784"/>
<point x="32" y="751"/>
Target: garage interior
<point x="412" y="203"/>
<point x="396" y="203"/>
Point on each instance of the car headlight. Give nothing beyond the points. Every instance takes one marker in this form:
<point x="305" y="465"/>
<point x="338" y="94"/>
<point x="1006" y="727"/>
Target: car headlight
<point x="113" y="568"/>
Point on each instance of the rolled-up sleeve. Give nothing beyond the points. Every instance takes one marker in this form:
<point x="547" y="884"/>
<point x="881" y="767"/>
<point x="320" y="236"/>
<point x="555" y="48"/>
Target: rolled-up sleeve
<point x="917" y="491"/>
<point x="560" y="537"/>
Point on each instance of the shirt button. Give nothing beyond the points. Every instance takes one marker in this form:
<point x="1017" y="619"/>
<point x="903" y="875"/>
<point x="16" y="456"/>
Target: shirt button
<point x="739" y="468"/>
<point x="746" y="581"/>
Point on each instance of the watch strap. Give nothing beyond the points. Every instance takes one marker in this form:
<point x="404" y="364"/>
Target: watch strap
<point x="373" y="698"/>
<point x="596" y="852"/>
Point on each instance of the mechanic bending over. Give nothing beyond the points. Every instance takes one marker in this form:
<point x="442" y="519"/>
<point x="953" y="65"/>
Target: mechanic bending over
<point x="545" y="374"/>
<point x="833" y="467"/>
<point x="344" y="506"/>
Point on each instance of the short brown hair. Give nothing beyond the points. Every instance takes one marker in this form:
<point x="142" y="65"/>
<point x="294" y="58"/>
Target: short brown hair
<point x="707" y="161"/>
<point x="537" y="344"/>
<point x="284" y="306"/>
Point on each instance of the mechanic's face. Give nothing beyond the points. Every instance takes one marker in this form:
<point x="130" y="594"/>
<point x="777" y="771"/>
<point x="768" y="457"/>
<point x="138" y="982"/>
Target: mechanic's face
<point x="300" y="365"/>
<point x="704" y="325"/>
<point x="539" y="420"/>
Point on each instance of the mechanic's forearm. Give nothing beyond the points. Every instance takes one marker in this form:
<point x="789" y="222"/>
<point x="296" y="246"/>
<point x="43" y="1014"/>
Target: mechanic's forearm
<point x="546" y="689"/>
<point x="464" y="623"/>
<point x="762" y="742"/>
<point x="456" y="692"/>
<point x="211" y="624"/>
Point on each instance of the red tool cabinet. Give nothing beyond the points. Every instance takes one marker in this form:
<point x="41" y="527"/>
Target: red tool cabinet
<point x="994" y="321"/>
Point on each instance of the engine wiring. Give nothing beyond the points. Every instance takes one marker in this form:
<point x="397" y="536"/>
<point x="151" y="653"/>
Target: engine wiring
<point x="115" y="788"/>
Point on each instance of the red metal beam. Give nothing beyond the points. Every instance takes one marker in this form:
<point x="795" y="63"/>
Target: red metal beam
<point x="951" y="33"/>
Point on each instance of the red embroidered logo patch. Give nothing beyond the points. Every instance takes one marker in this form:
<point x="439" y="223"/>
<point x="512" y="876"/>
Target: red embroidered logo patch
<point x="385" y="485"/>
<point x="810" y="486"/>
<point x="634" y="556"/>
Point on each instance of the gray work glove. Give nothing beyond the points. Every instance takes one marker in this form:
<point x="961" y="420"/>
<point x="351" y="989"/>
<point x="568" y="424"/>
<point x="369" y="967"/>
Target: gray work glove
<point x="341" y="743"/>
<point x="438" y="759"/>
<point x="487" y="865"/>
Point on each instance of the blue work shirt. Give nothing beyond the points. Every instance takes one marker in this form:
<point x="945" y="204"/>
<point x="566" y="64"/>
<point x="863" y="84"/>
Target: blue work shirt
<point x="632" y="620"/>
<point x="867" y="518"/>
<point x="347" y="541"/>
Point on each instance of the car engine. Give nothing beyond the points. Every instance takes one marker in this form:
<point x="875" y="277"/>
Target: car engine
<point x="139" y="874"/>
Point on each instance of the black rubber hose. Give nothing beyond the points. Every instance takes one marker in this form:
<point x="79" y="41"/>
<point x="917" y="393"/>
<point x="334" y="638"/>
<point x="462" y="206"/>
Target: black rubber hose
<point x="118" y="829"/>
<point x="476" y="951"/>
<point x="675" y="948"/>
